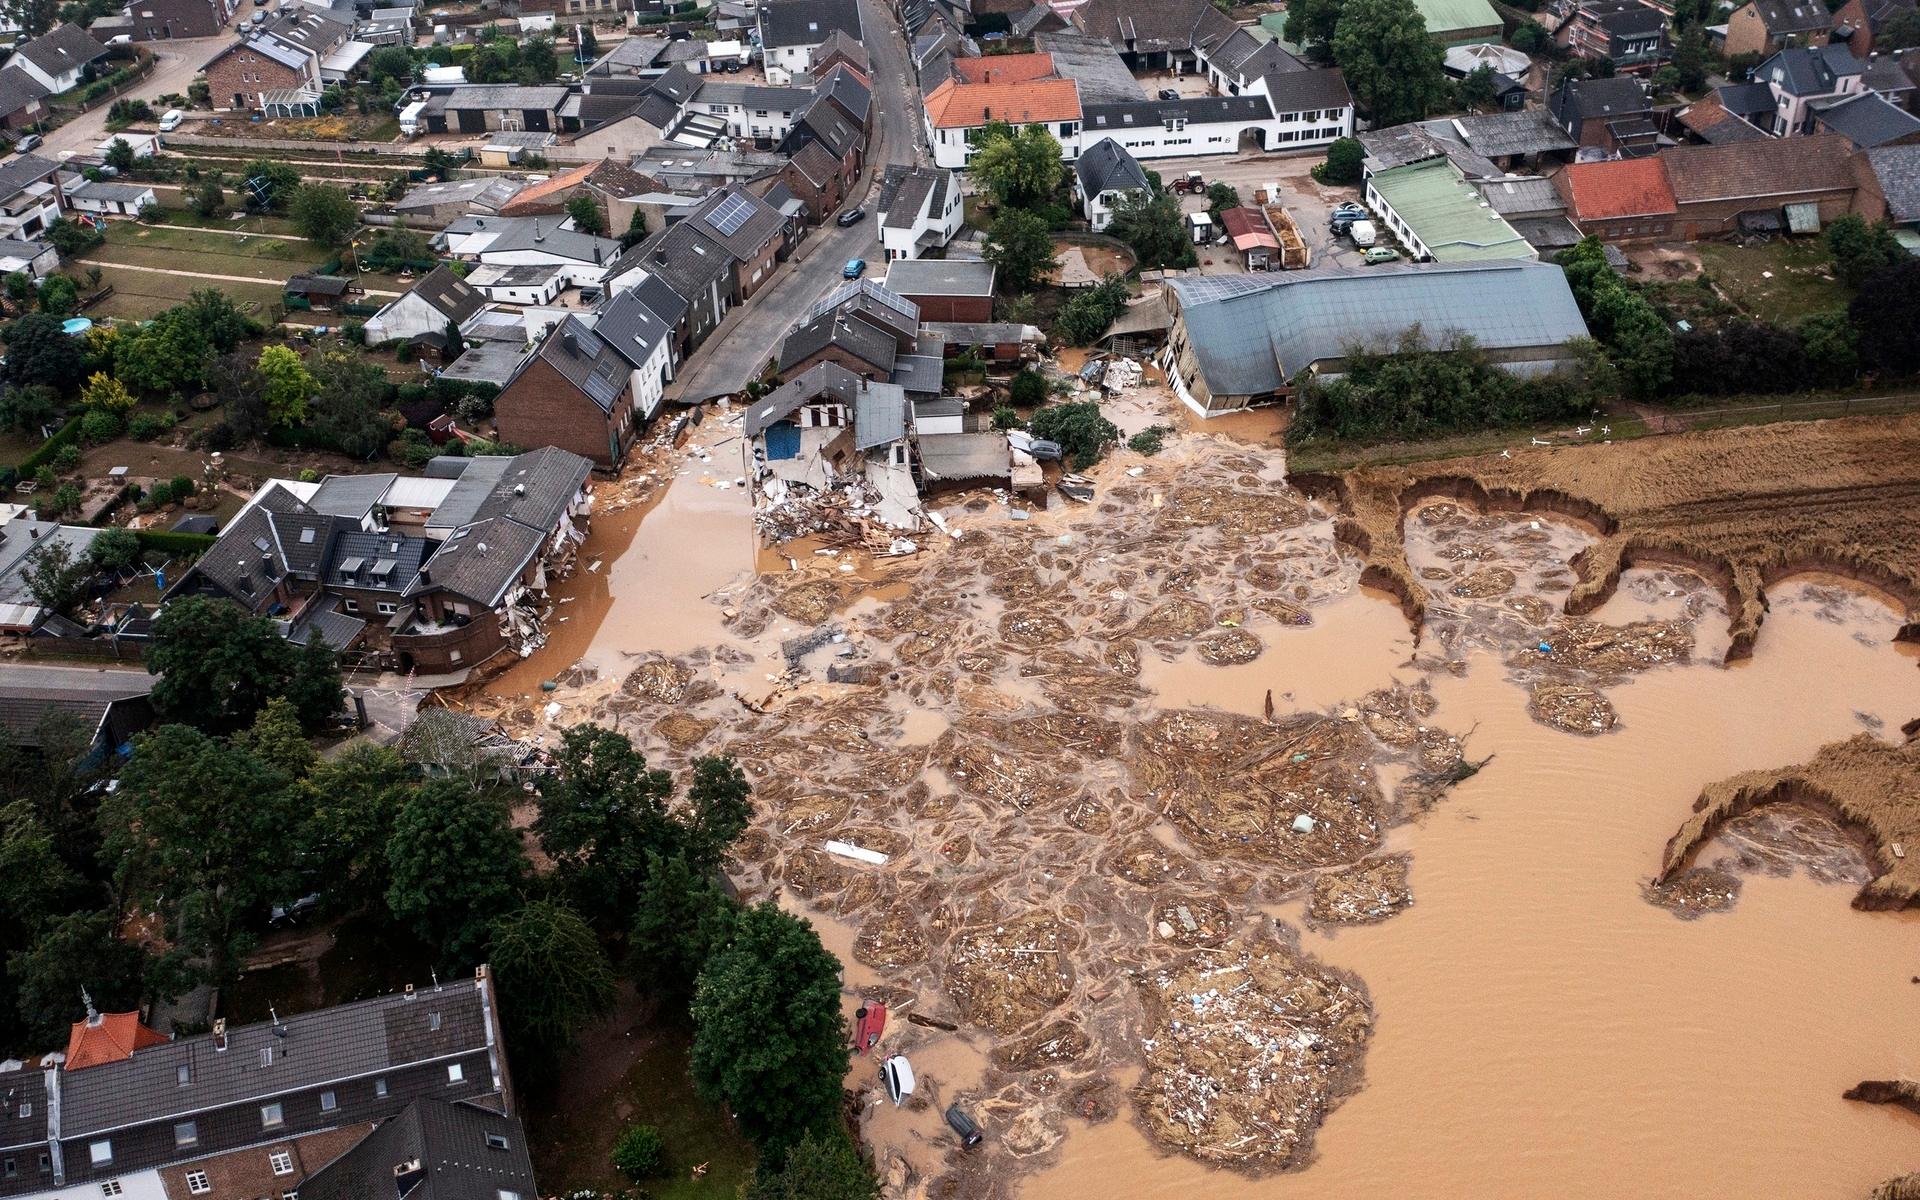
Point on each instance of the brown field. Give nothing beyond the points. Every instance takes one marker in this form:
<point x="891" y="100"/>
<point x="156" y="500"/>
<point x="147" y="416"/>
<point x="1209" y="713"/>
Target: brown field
<point x="1744" y="507"/>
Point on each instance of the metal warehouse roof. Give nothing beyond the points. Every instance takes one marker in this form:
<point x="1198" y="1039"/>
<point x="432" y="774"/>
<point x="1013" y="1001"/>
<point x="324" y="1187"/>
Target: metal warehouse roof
<point x="1445" y="212"/>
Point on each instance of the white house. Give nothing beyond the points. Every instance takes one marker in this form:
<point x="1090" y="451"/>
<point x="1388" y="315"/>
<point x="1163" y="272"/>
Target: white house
<point x="107" y="198"/>
<point x="58" y="58"/>
<point x="29" y="195"/>
<point x="36" y="257"/>
<point x="522" y="285"/>
<point x="643" y="338"/>
<point x="791" y="30"/>
<point x="532" y="241"/>
<point x="1800" y="76"/>
<point x="920" y="209"/>
<point x="957" y="110"/>
<point x="441" y="298"/>
<point x="751" y="110"/>
<point x="143" y="145"/>
<point x="1103" y="176"/>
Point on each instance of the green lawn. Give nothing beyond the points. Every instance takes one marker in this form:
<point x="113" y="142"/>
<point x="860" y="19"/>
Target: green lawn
<point x="139" y="295"/>
<point x="1780" y="281"/>
<point x="248" y="223"/>
<point x="192" y="244"/>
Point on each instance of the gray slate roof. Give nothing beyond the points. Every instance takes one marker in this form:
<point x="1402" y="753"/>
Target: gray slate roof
<point x="466" y="1153"/>
<point x="1497" y="135"/>
<point x="1093" y="66"/>
<point x="879" y="416"/>
<point x="844" y="88"/>
<point x="278" y="536"/>
<point x="1197" y="110"/>
<point x="489" y="96"/>
<point x="1106" y="166"/>
<point x="1809" y="70"/>
<point x="1867" y="121"/>
<point x="922" y="374"/>
<point x="21" y="170"/>
<point x="350" y="495"/>
<point x="17" y="90"/>
<point x="1897" y="168"/>
<point x="449" y="294"/>
<point x="755" y="222"/>
<point x="28" y="696"/>
<point x="682" y="256"/>
<point x="905" y="192"/>
<point x="870" y="345"/>
<point x="807" y="22"/>
<point x="379" y="562"/>
<point x="630" y="328"/>
<point x="872" y="302"/>
<point x="1298" y="91"/>
<point x="1793" y="16"/>
<point x="821" y="379"/>
<point x="586" y="361"/>
<point x="61" y="49"/>
<point x="1252" y="335"/>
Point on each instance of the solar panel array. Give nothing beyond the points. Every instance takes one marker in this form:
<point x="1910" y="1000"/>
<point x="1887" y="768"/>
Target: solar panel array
<point x="730" y="214"/>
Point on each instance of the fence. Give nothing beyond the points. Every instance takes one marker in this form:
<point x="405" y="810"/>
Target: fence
<point x="1679" y="421"/>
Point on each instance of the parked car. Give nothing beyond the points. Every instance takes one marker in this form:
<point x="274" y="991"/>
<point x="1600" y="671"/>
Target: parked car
<point x="852" y="216"/>
<point x="855" y="268"/>
<point x="1380" y="254"/>
<point x="1169" y="93"/>
<point x="1363" y="233"/>
<point x="29" y="142"/>
<point x="170" y="120"/>
<point x="1349" y="209"/>
<point x="259" y="17"/>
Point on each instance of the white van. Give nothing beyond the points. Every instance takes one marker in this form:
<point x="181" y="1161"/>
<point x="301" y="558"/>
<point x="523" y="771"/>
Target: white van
<point x="410" y="117"/>
<point x="1363" y="233"/>
<point x="170" y="120"/>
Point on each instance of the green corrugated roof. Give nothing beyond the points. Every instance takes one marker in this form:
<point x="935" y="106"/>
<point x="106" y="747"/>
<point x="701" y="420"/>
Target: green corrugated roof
<point x="1445" y="18"/>
<point x="1445" y="212"/>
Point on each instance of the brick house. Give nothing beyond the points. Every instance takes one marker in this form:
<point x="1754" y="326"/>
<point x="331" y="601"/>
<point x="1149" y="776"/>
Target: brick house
<point x="158" y="20"/>
<point x="749" y="229"/>
<point x="1619" y="200"/>
<point x="1715" y="187"/>
<point x="835" y="337"/>
<point x="1614" y="114"/>
<point x="1766" y="26"/>
<point x="687" y="278"/>
<point x="241" y="77"/>
<point x="1632" y="34"/>
<point x="1860" y="21"/>
<point x="813" y="176"/>
<point x="574" y="392"/>
<point x="944" y="289"/>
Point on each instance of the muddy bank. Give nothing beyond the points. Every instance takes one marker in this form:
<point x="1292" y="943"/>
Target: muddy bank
<point x="1865" y="783"/>
<point x="1744" y="508"/>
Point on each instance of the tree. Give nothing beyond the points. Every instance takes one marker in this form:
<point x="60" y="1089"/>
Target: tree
<point x="285" y="385"/>
<point x="1901" y="31"/>
<point x="719" y="806"/>
<point x="768" y="1038"/>
<point x="27" y="409"/>
<point x="217" y="664"/>
<point x="1028" y="389"/>
<point x="119" y="154"/>
<point x="114" y="550"/>
<point x="1392" y="65"/>
<point x="455" y="865"/>
<point x="21" y="292"/>
<point x="219" y="320"/>
<point x="1091" y="310"/>
<point x="1691" y="58"/>
<point x="71" y="237"/>
<point x="636" y="231"/>
<point x="1083" y="433"/>
<point x="206" y="199"/>
<point x="56" y="577"/>
<point x="589" y="44"/>
<point x="681" y="916"/>
<point x="1639" y="341"/>
<point x="553" y="978"/>
<point x="1477" y="90"/>
<point x="538" y="63"/>
<point x="79" y="950"/>
<point x="199" y="832"/>
<point x="168" y="356"/>
<point x="588" y="216"/>
<point x="270" y="184"/>
<point x="823" y="1167"/>
<point x="346" y="404"/>
<point x="1833" y="355"/>
<point x="324" y="214"/>
<point x="275" y="738"/>
<point x="351" y="800"/>
<point x="1018" y="168"/>
<point x="1343" y="166"/>
<point x="39" y="351"/>
<point x="34" y="17"/>
<point x="397" y="246"/>
<point x="104" y="393"/>
<point x="1861" y="249"/>
<point x="1886" y="314"/>
<point x="456" y="341"/>
<point x="1530" y="38"/>
<point x="1019" y="247"/>
<point x="1311" y="23"/>
<point x="1220" y="198"/>
<point x="1155" y="229"/>
<point x="602" y="811"/>
<point x="389" y="67"/>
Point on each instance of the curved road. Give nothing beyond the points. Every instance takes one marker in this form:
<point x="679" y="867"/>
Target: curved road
<point x="747" y="338"/>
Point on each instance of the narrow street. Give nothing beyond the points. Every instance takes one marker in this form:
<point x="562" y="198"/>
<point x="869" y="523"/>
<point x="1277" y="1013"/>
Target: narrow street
<point x="750" y="333"/>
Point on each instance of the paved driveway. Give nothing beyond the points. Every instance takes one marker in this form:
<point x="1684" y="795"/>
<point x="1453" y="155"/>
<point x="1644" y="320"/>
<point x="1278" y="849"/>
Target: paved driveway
<point x="1310" y="202"/>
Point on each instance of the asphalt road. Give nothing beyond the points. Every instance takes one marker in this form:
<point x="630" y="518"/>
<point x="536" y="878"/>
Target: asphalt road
<point x="175" y="65"/>
<point x="752" y="332"/>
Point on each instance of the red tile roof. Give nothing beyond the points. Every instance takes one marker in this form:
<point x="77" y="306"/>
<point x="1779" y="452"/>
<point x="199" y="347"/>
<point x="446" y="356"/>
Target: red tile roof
<point x="1004" y="68"/>
<point x="1249" y="229"/>
<point x="115" y="1037"/>
<point x="966" y="105"/>
<point x="1626" y="187"/>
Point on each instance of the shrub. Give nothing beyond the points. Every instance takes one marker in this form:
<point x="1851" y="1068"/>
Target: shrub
<point x="1150" y="440"/>
<point x="99" y="425"/>
<point x="1029" y="388"/>
<point x="1005" y="418"/>
<point x="68" y="459"/>
<point x="638" y="1153"/>
<point x="65" y="499"/>
<point x="147" y="426"/>
<point x="1082" y="432"/>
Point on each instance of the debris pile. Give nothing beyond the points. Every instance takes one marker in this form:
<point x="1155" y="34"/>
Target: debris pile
<point x="1571" y="707"/>
<point x="1361" y="894"/>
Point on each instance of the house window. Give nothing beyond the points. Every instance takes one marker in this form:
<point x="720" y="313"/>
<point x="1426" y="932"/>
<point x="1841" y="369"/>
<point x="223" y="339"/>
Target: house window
<point x="111" y="1188"/>
<point x="271" y="1115"/>
<point x="497" y="1141"/>
<point x="281" y="1161"/>
<point x="433" y="1021"/>
<point x="8" y="1169"/>
<point x="453" y="656"/>
<point x="290" y="1196"/>
<point x="350" y="604"/>
<point x="198" y="1183"/>
<point x="328" y="1101"/>
<point x="380" y="1087"/>
<point x="185" y="1133"/>
<point x="455" y="1073"/>
<point x="100" y="1153"/>
<point x="386" y="608"/>
<point x="184" y="1075"/>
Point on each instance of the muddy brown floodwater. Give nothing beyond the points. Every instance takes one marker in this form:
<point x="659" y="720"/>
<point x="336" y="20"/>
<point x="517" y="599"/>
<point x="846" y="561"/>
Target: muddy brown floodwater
<point x="1184" y="836"/>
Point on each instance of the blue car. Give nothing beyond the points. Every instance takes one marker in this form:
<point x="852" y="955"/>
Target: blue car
<point x="855" y="268"/>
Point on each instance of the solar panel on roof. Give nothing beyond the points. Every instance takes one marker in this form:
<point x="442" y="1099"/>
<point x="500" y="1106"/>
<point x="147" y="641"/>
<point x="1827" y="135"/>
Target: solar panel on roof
<point x="730" y="214"/>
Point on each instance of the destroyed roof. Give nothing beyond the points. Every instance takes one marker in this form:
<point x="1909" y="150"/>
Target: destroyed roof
<point x="1106" y="166"/>
<point x="1867" y="121"/>
<point x="940" y="277"/>
<point x="1499" y="135"/>
<point x="484" y="191"/>
<point x="821" y="379"/>
<point x="1897" y="170"/>
<point x="1772" y="167"/>
<point x="879" y="415"/>
<point x="958" y="457"/>
<point x="807" y="22"/>
<point x="865" y="342"/>
<point x="1252" y="334"/>
<point x="465" y="1152"/>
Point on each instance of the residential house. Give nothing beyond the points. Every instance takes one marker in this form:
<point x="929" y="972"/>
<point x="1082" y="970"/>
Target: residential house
<point x="792" y="32"/>
<point x="1615" y="115"/>
<point x="763" y="112"/>
<point x="1895" y="77"/>
<point x="1766" y="26"/>
<point x="36" y="257"/>
<point x="1620" y="200"/>
<point x="1867" y="121"/>
<point x="750" y="230"/>
<point x="1859" y="22"/>
<point x="21" y="538"/>
<point x="919" y="209"/>
<point x="1889" y="178"/>
<point x="1631" y="34"/>
<point x="440" y="299"/>
<point x="1252" y="237"/>
<point x="1440" y="217"/>
<point x="1798" y="184"/>
<point x="277" y="67"/>
<point x="108" y="706"/>
<point x="825" y="423"/>
<point x="944" y="289"/>
<point x="437" y="205"/>
<point x="683" y="263"/>
<point x="58" y="59"/>
<point x="432" y="1148"/>
<point x="1710" y="120"/>
<point x="818" y="179"/>
<point x="1800" y="77"/>
<point x="634" y="57"/>
<point x="849" y="92"/>
<point x="644" y="338"/>
<point x="574" y="392"/>
<point x="30" y="198"/>
<point x="526" y="284"/>
<point x="159" y="20"/>
<point x="532" y="241"/>
<point x="1241" y="340"/>
<point x="1104" y="175"/>
<point x="22" y="99"/>
<point x="621" y="117"/>
<point x="489" y="107"/>
<point x="270" y="559"/>
<point x="1460" y="22"/>
<point x="1191" y="126"/>
<point x="841" y="49"/>
<point x="842" y="339"/>
<point x="957" y="111"/>
<point x="249" y="1110"/>
<point x="821" y="122"/>
<point x="996" y="341"/>
<point x="614" y="187"/>
<point x="108" y="198"/>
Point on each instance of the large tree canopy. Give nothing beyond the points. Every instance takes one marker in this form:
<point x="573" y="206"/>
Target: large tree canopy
<point x="1391" y="64"/>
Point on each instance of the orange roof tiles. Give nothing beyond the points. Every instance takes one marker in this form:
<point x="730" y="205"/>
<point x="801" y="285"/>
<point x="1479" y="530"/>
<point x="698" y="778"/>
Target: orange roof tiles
<point x="965" y="105"/>
<point x="1249" y="229"/>
<point x="552" y="186"/>
<point x="1004" y="68"/>
<point x="1626" y="187"/>
<point x="115" y="1037"/>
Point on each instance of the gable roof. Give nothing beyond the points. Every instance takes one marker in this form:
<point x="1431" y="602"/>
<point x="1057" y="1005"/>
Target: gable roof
<point x="1194" y="110"/>
<point x="1004" y="68"/>
<point x="448" y="294"/>
<point x="846" y="88"/>
<point x="682" y="255"/>
<point x="1624" y="187"/>
<point x="865" y="342"/>
<point x="1296" y="91"/>
<point x="1447" y="213"/>
<point x="1602" y="99"/>
<point x="63" y="48"/>
<point x="905" y="192"/>
<point x="18" y="89"/>
<point x="584" y="359"/>
<point x="1249" y="228"/>
<point x="1498" y="135"/>
<point x="632" y="329"/>
<point x="1793" y="16"/>
<point x="844" y="44"/>
<point x="1771" y="167"/>
<point x="821" y="379"/>
<point x="276" y="536"/>
<point x="1447" y="17"/>
<point x="807" y="22"/>
<point x="871" y="302"/>
<point x="1809" y="70"/>
<point x="738" y="221"/>
<point x="1709" y="119"/>
<point x="464" y="1152"/>
<point x="380" y="562"/>
<point x="1867" y="121"/>
<point x="1897" y="170"/>
<point x="956" y="105"/>
<point x="815" y="165"/>
<point x="1107" y="166"/>
<point x="1162" y="25"/>
<point x="1624" y="18"/>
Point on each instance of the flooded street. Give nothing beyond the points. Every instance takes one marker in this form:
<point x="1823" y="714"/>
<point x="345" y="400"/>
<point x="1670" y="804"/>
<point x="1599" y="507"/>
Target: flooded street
<point x="1108" y="754"/>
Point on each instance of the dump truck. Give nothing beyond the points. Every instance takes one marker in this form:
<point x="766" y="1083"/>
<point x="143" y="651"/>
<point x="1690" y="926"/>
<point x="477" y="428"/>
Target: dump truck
<point x="1294" y="251"/>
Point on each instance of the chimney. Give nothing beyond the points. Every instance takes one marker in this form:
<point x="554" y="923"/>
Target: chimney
<point x="537" y="235"/>
<point x="219" y="1035"/>
<point x="408" y="994"/>
<point x="424" y="577"/>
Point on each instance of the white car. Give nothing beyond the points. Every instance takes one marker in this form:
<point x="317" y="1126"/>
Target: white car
<point x="170" y="120"/>
<point x="1363" y="233"/>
